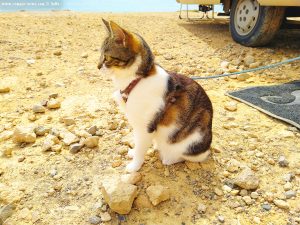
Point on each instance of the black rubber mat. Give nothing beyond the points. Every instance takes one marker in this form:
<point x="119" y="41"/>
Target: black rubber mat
<point x="279" y="101"/>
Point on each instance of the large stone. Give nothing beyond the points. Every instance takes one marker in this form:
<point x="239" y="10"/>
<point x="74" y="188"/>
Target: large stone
<point x="24" y="135"/>
<point x="131" y="178"/>
<point x="158" y="194"/>
<point x="119" y="196"/>
<point x="247" y="180"/>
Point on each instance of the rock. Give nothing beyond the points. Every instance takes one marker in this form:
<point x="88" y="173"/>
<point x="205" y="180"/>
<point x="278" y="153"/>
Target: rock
<point x="224" y="64"/>
<point x="287" y="186"/>
<point x="92" y="141"/>
<point x="21" y="159"/>
<point x="53" y="104"/>
<point x="5" y="212"/>
<point x="266" y="207"/>
<point x="221" y="219"/>
<point x="24" y="135"/>
<point x="168" y="57"/>
<point x="116" y="163"/>
<point x="254" y="195"/>
<point x="142" y="202"/>
<point x="30" y="61"/>
<point x="119" y="196"/>
<point x="218" y="191"/>
<point x="288" y="177"/>
<point x="57" y="53"/>
<point x="75" y="148"/>
<point x="84" y="55"/>
<point x="49" y="142"/>
<point x="231" y="106"/>
<point x="56" y="148"/>
<point x="243" y="76"/>
<point x="247" y="180"/>
<point x="94" y="220"/>
<point x="131" y="178"/>
<point x="92" y="130"/>
<point x="290" y="194"/>
<point x="41" y="130"/>
<point x="283" y="162"/>
<point x="271" y="161"/>
<point x="192" y="165"/>
<point x="281" y="204"/>
<point x="7" y="152"/>
<point x="68" y="120"/>
<point x="247" y="200"/>
<point x="5" y="135"/>
<point x="254" y="65"/>
<point x="201" y="208"/>
<point x="38" y="109"/>
<point x="256" y="220"/>
<point x="243" y="192"/>
<point x="105" y="217"/>
<point x="53" y="95"/>
<point x="158" y="194"/>
<point x="248" y="60"/>
<point x="4" y="89"/>
<point x="69" y="138"/>
<point x="53" y="172"/>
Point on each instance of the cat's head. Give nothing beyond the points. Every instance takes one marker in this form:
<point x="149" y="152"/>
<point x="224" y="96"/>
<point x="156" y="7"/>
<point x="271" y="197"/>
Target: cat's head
<point x="121" y="48"/>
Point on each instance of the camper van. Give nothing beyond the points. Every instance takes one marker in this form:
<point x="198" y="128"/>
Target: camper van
<point x="254" y="22"/>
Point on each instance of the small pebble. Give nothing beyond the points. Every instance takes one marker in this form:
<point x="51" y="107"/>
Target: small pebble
<point x="266" y="207"/>
<point x="281" y="204"/>
<point x="201" y="208"/>
<point x="57" y="53"/>
<point x="75" y="148"/>
<point x="221" y="219"/>
<point x="283" y="162"/>
<point x="231" y="106"/>
<point x="38" y="109"/>
<point x="53" y="104"/>
<point x="105" y="217"/>
<point x="4" y="89"/>
<point x="290" y="194"/>
<point x="94" y="220"/>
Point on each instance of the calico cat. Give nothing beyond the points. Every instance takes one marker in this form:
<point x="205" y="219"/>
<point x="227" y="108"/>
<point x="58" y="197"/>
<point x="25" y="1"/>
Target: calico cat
<point x="167" y="109"/>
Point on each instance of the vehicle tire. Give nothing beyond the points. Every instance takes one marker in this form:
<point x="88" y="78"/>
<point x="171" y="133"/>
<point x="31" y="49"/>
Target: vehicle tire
<point x="254" y="25"/>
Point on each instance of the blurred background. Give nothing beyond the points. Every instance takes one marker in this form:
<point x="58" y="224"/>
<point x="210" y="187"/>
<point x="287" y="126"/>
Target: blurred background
<point x="94" y="5"/>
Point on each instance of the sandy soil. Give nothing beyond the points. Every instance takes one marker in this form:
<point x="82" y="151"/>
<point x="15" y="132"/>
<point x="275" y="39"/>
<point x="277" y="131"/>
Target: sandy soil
<point x="63" y="188"/>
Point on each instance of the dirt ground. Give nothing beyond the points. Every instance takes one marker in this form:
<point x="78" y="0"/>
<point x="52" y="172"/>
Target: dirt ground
<point x="63" y="188"/>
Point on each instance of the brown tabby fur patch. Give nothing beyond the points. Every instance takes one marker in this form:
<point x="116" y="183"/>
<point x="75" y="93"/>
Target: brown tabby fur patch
<point x="187" y="105"/>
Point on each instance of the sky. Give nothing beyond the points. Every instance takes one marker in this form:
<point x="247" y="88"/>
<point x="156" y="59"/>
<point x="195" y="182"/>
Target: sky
<point x="92" y="5"/>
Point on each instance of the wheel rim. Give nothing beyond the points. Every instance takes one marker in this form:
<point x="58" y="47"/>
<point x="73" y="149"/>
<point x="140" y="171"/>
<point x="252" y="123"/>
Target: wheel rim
<point x="246" y="16"/>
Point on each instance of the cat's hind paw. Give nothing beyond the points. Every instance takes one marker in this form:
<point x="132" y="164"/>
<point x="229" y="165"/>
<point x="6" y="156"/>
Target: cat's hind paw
<point x="133" y="166"/>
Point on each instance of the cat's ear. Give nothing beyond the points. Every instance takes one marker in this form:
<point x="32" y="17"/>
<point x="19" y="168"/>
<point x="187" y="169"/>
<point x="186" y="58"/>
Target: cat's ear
<point x="120" y="35"/>
<point x="106" y="23"/>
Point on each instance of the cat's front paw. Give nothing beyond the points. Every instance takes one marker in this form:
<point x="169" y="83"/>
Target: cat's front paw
<point x="134" y="166"/>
